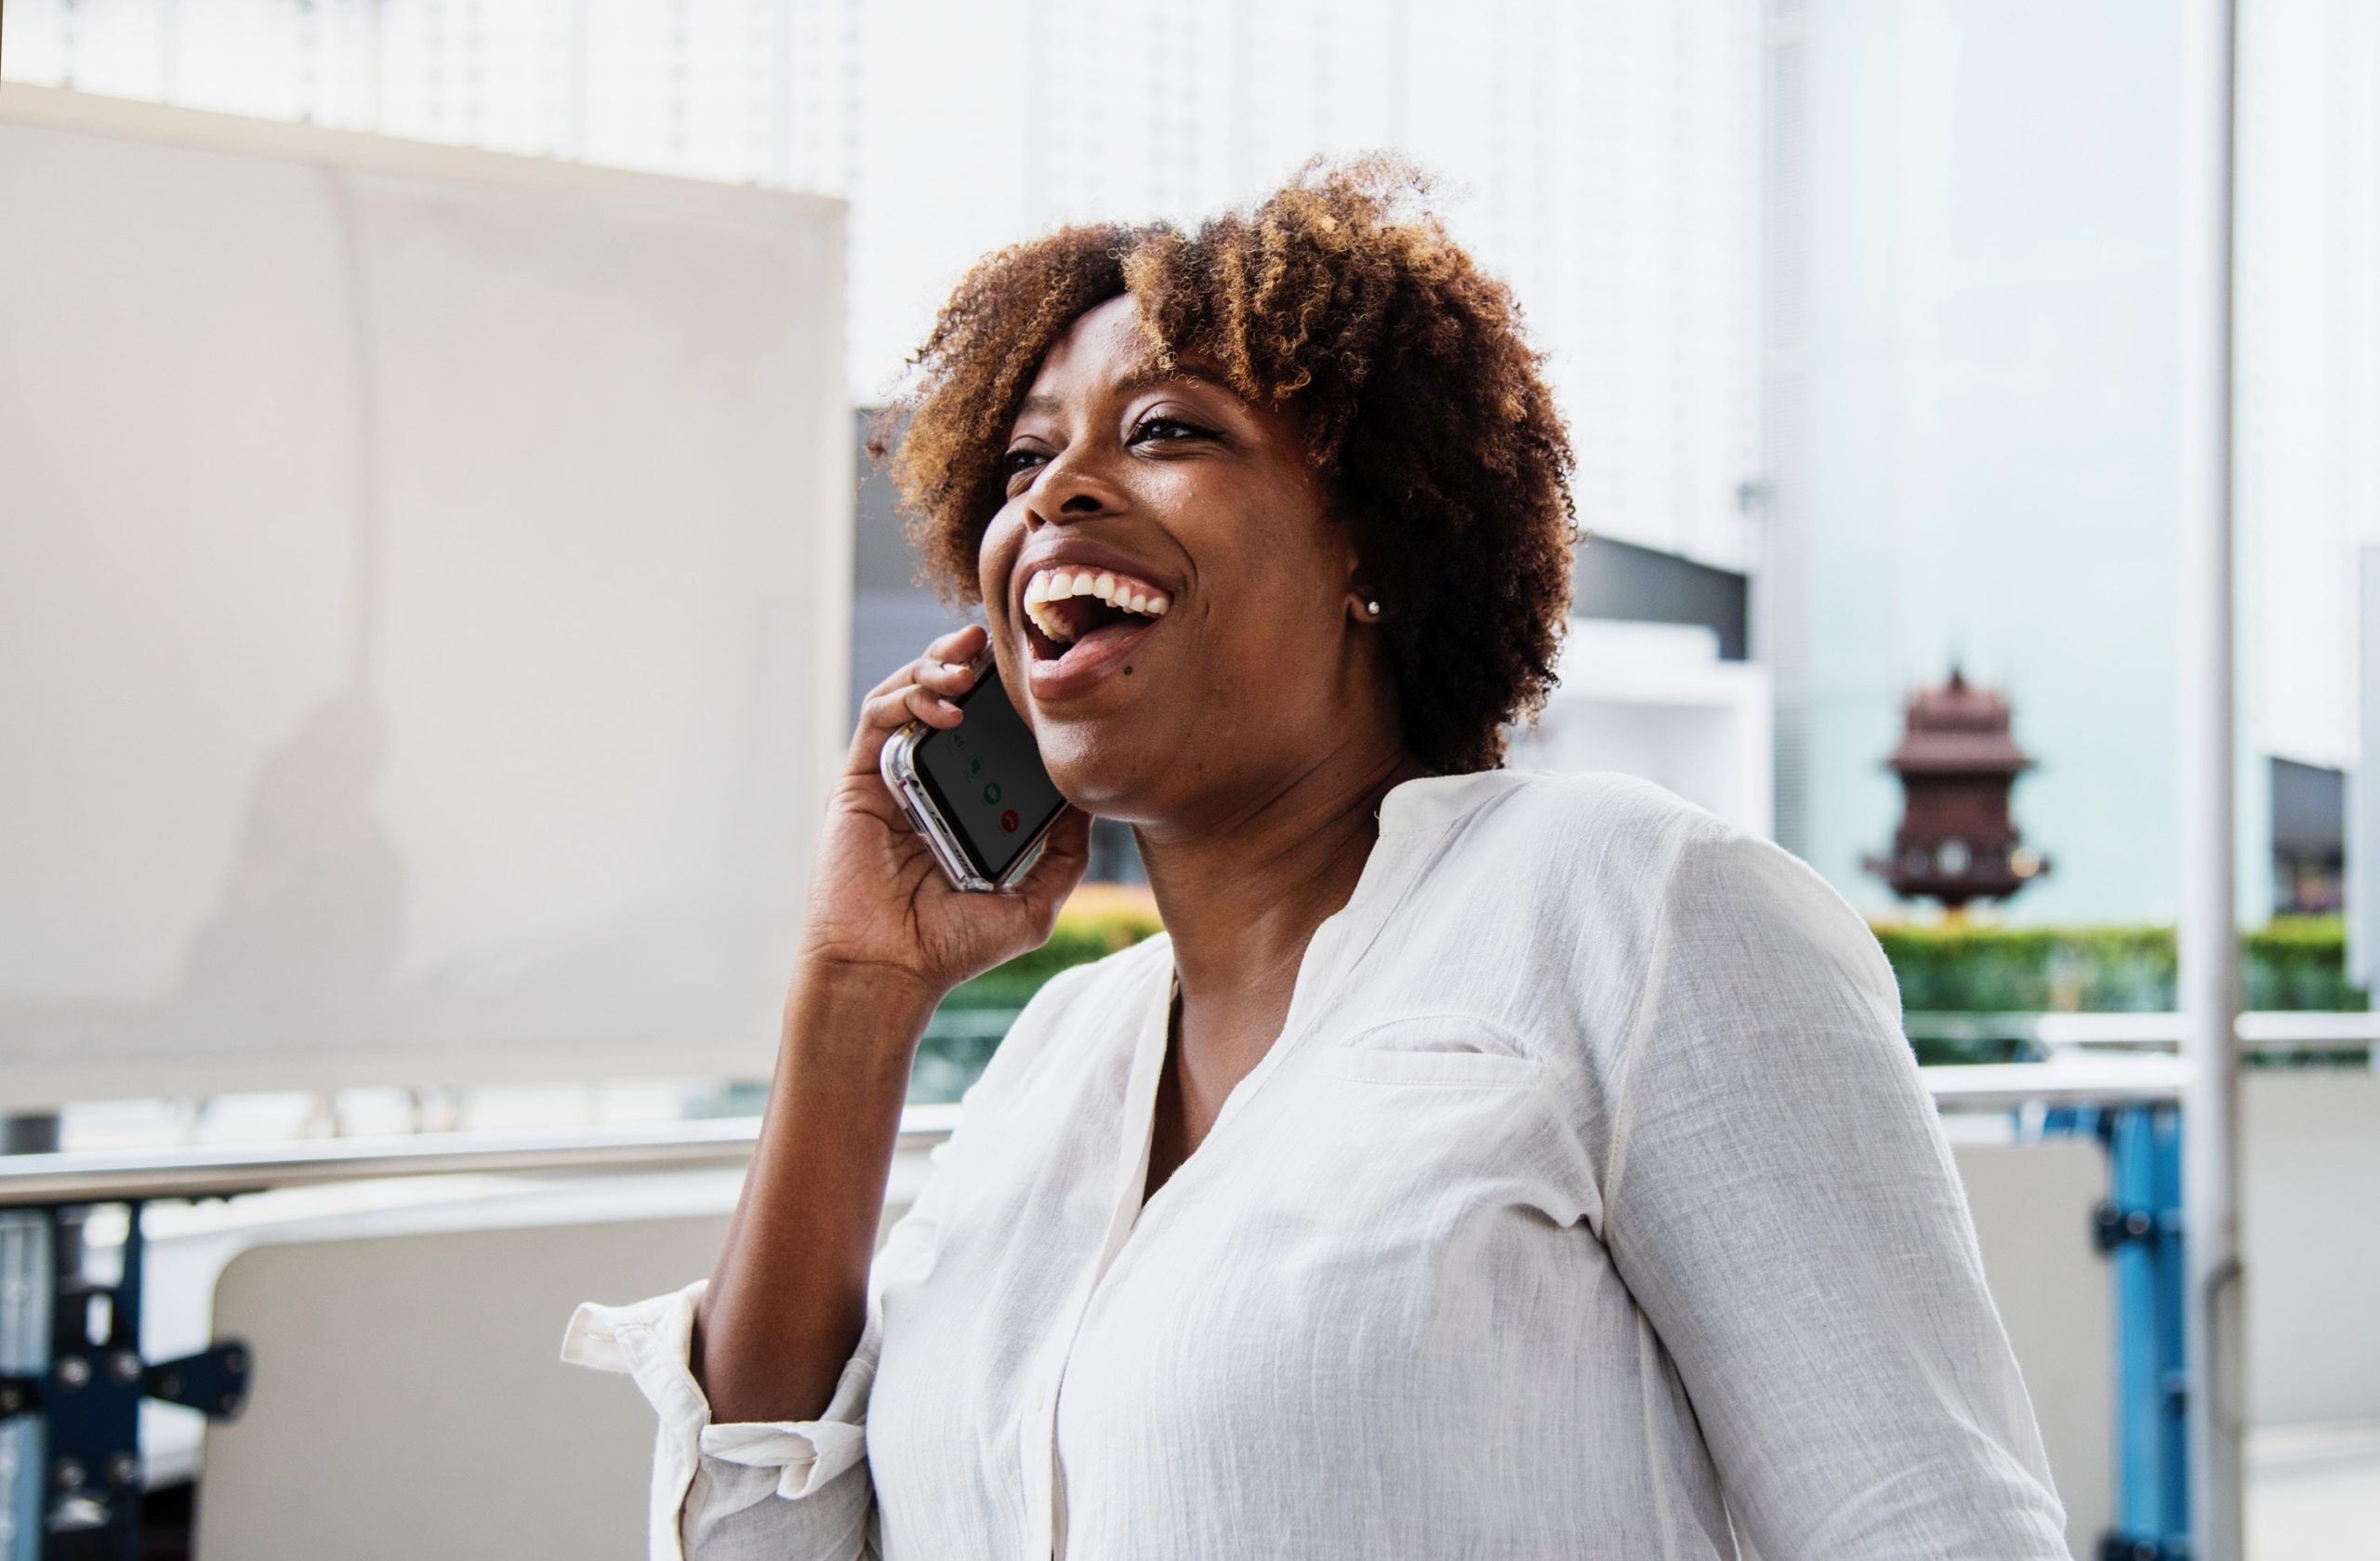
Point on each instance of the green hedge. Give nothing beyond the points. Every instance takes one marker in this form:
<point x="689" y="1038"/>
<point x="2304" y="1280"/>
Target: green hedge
<point x="1074" y="941"/>
<point x="2293" y="962"/>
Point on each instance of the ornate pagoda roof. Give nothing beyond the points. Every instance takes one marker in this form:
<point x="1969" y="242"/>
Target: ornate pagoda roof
<point x="1958" y="729"/>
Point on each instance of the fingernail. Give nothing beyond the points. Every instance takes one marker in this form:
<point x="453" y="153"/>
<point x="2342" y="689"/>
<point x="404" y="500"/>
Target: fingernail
<point x="945" y="705"/>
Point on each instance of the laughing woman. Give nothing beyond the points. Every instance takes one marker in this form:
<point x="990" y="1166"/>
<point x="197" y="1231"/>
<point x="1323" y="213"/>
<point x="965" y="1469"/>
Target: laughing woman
<point x="1482" y="1162"/>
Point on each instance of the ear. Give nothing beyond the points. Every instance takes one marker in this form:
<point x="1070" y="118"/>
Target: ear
<point x="1363" y="602"/>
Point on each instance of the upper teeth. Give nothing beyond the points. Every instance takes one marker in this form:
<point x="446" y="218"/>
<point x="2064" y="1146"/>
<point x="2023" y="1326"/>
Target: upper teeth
<point x="1057" y="585"/>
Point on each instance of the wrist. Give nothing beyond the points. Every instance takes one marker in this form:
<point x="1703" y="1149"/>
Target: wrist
<point x="887" y="1004"/>
<point x="880" y="978"/>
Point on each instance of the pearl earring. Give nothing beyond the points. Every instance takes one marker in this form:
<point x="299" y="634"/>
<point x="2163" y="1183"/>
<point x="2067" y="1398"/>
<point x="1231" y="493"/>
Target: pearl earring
<point x="1372" y="607"/>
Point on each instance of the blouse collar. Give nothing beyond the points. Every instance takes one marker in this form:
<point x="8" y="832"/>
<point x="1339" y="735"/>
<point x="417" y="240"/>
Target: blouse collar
<point x="1429" y="801"/>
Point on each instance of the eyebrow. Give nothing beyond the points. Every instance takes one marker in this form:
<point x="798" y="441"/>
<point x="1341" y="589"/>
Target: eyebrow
<point x="1146" y="376"/>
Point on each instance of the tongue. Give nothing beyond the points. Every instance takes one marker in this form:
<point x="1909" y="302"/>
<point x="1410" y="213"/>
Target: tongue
<point x="1120" y="629"/>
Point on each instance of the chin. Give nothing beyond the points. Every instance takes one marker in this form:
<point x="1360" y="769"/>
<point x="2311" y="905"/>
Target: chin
<point x="1094" y="768"/>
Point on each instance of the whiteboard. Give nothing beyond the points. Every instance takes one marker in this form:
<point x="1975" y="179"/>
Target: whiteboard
<point x="424" y="607"/>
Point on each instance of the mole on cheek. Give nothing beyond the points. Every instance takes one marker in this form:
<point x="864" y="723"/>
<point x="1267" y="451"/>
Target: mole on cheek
<point x="1127" y="669"/>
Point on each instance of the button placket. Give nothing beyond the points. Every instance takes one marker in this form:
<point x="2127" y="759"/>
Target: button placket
<point x="1337" y="947"/>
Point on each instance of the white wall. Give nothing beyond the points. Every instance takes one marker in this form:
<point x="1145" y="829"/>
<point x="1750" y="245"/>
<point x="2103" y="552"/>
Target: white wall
<point x="1604" y="159"/>
<point x="424" y="604"/>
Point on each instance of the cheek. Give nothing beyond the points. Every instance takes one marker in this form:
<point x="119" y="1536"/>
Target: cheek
<point x="996" y="558"/>
<point x="1270" y="575"/>
<point x="1263" y="527"/>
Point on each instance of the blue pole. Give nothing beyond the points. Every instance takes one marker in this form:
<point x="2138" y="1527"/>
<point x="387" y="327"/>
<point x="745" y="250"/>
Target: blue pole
<point x="2141" y="1230"/>
<point x="2140" y="1226"/>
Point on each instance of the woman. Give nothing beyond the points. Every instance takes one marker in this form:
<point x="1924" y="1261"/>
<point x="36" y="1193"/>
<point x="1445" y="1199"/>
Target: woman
<point x="1481" y="1163"/>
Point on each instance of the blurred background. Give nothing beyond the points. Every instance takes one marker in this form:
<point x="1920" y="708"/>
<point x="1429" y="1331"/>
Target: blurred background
<point x="438" y="572"/>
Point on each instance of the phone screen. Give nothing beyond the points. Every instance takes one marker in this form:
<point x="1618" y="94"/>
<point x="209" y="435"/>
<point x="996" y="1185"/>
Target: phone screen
<point x="986" y="775"/>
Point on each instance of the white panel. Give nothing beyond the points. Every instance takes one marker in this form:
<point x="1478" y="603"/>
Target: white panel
<point x="2309" y="1170"/>
<point x="423" y="601"/>
<point x="408" y="1400"/>
<point x="2032" y="1207"/>
<point x="399" y="1413"/>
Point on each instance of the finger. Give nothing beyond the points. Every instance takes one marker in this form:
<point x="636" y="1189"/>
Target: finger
<point x="931" y="707"/>
<point x="888" y="712"/>
<point x="960" y="645"/>
<point x="950" y="679"/>
<point x="882" y="714"/>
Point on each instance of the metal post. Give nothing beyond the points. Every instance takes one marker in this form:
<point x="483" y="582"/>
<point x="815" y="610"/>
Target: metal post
<point x="2363" y="786"/>
<point x="2208" y="932"/>
<point x="24" y="1351"/>
<point x="25" y="1260"/>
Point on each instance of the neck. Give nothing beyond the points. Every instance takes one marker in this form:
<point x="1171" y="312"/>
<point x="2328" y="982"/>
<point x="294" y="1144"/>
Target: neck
<point x="1241" y="894"/>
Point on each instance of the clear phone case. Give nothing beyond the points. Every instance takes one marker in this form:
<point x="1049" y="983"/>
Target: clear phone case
<point x="898" y="765"/>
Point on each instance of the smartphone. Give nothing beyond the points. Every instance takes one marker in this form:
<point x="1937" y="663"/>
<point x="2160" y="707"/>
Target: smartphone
<point x="976" y="791"/>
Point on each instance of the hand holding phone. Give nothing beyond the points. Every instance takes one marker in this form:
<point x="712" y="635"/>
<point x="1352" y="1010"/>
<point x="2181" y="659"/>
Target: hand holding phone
<point x="976" y="792"/>
<point x="881" y="892"/>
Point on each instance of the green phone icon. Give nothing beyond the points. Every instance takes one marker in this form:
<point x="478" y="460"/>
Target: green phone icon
<point x="991" y="792"/>
<point x="975" y="766"/>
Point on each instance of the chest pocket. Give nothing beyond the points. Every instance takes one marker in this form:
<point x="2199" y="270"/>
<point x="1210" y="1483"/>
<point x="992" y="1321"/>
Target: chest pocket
<point x="1439" y="1111"/>
<point x="1446" y="1049"/>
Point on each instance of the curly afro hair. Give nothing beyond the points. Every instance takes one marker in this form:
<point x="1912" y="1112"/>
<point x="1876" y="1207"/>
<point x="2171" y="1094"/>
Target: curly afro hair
<point x="1426" y="416"/>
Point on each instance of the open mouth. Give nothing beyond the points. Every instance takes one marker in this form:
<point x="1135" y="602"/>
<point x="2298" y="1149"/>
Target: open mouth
<point x="1067" y="612"/>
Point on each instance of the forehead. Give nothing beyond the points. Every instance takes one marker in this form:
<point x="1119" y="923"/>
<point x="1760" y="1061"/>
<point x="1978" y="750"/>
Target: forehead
<point x="1106" y="334"/>
<point x="1104" y="351"/>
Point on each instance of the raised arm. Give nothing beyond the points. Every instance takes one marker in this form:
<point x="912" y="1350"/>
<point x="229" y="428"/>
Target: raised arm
<point x="761" y="1375"/>
<point x="788" y="1299"/>
<point x="884" y="937"/>
<point x="1783" y="1205"/>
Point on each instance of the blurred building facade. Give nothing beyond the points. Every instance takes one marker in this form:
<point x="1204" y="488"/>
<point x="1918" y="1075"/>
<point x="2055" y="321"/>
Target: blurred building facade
<point x="1604" y="158"/>
<point x="1974" y="264"/>
<point x="1871" y="306"/>
<point x="2309" y="405"/>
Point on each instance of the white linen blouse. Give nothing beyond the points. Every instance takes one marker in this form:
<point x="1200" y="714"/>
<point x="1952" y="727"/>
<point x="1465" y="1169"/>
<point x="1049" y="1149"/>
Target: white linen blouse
<point x="1589" y="1195"/>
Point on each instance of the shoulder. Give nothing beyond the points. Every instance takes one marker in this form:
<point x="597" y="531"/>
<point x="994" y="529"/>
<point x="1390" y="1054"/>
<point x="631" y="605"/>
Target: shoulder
<point x="1647" y="885"/>
<point x="1594" y="810"/>
<point x="1740" y="912"/>
<point x="1539" y="904"/>
<point x="1596" y="844"/>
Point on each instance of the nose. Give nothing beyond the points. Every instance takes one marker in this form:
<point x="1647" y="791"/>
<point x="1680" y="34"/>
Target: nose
<point x="1070" y="488"/>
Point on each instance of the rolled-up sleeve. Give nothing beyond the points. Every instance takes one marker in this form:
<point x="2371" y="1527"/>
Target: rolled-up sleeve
<point x="1783" y="1205"/>
<point x="776" y="1491"/>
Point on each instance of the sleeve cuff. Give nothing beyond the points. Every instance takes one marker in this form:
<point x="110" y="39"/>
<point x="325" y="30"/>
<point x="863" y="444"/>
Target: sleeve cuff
<point x="649" y="1341"/>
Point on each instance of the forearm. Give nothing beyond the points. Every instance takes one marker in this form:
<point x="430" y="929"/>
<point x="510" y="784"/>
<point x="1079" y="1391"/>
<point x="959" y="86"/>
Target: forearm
<point x="788" y="1299"/>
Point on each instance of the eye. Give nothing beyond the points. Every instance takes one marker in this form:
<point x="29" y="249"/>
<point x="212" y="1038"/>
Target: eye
<point x="1166" y="430"/>
<point x="1018" y="459"/>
